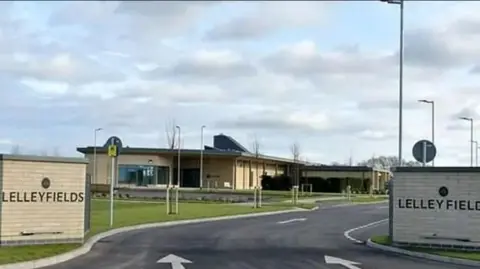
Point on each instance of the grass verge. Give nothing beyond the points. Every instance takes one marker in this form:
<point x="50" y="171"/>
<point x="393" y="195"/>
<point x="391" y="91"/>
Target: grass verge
<point x="127" y="214"/>
<point x="468" y="255"/>
<point x="369" y="199"/>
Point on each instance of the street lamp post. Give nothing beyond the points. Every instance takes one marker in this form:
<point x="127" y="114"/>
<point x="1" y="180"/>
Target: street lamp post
<point x="95" y="154"/>
<point x="400" y="80"/>
<point x="201" y="156"/>
<point x="476" y="152"/>
<point x="471" y="137"/>
<point x="178" y="161"/>
<point x="433" y="121"/>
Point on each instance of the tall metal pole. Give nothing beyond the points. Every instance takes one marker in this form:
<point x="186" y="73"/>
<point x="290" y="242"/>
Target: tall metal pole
<point x="201" y="156"/>
<point x="471" y="144"/>
<point x="112" y="182"/>
<point x="433" y="120"/>
<point x="400" y="81"/>
<point x="433" y="127"/>
<point x="400" y="86"/>
<point x="471" y="137"/>
<point x="178" y="161"/>
<point x="476" y="152"/>
<point x="95" y="154"/>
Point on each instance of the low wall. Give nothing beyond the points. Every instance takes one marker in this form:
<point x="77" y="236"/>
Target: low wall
<point x="158" y="193"/>
<point x="436" y="207"/>
<point x="43" y="200"/>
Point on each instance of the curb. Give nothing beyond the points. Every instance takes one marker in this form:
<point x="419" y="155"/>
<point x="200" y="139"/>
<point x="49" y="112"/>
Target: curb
<point x="456" y="261"/>
<point x="359" y="203"/>
<point x="86" y="247"/>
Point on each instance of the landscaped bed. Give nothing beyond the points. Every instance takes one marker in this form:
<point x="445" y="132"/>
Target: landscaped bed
<point x="384" y="240"/>
<point x="132" y="213"/>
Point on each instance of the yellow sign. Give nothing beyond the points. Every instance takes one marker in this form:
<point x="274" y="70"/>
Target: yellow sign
<point x="112" y="151"/>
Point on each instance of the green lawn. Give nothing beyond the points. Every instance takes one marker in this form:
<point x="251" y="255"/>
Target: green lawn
<point x="384" y="240"/>
<point x="131" y="213"/>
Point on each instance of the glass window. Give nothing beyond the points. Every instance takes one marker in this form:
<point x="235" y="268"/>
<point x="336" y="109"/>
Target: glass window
<point x="142" y="175"/>
<point x="162" y="175"/>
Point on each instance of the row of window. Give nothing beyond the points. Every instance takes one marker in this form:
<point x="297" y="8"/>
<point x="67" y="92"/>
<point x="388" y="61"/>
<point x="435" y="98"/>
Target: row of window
<point x="142" y="175"/>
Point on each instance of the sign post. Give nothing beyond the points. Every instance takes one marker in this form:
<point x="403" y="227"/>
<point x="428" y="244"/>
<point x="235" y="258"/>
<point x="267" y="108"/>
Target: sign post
<point x="176" y="198"/>
<point x="257" y="197"/>
<point x="114" y="144"/>
<point x="424" y="151"/>
<point x="172" y="199"/>
<point x="424" y="157"/>
<point x="260" y="196"/>
<point x="295" y="195"/>
<point x="167" y="199"/>
<point x="349" y="193"/>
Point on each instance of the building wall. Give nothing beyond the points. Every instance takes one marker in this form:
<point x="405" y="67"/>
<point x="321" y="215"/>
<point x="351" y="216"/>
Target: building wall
<point x="336" y="174"/>
<point x="49" y="215"/>
<point x="377" y="179"/>
<point x="225" y="172"/>
<point x="449" y="220"/>
<point x="270" y="169"/>
<point x="219" y="173"/>
<point x="241" y="175"/>
<point x="246" y="168"/>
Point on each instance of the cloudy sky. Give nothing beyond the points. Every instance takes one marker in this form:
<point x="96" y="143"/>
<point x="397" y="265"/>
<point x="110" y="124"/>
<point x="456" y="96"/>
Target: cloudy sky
<point x="323" y="74"/>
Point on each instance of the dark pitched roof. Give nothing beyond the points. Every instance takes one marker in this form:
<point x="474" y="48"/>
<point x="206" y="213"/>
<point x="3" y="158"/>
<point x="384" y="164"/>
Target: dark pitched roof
<point x="225" y="142"/>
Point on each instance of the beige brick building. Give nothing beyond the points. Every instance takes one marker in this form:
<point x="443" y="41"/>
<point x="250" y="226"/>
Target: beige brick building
<point x="226" y="165"/>
<point x="44" y="200"/>
<point x="150" y="167"/>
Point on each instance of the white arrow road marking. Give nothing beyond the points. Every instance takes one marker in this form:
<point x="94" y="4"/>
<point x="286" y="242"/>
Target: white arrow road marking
<point x="174" y="260"/>
<point x="349" y="237"/>
<point x="291" y="220"/>
<point x="346" y="263"/>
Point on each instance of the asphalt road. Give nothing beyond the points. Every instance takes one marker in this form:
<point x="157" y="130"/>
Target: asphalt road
<point x="276" y="242"/>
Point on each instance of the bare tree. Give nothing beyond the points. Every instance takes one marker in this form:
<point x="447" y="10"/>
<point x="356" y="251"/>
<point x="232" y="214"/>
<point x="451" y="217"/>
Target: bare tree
<point x="15" y="150"/>
<point x="256" y="152"/>
<point x="295" y="150"/>
<point x="171" y="134"/>
<point x="56" y="152"/>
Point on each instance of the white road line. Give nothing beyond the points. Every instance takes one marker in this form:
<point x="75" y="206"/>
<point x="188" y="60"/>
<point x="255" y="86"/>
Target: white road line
<point x="382" y="207"/>
<point x="291" y="220"/>
<point x="348" y="232"/>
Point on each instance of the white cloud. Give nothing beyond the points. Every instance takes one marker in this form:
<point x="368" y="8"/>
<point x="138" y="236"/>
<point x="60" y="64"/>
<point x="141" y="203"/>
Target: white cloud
<point x="274" y="16"/>
<point x="130" y="66"/>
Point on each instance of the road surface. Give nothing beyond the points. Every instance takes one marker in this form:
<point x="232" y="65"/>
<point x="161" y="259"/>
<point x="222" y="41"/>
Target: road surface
<point x="288" y="241"/>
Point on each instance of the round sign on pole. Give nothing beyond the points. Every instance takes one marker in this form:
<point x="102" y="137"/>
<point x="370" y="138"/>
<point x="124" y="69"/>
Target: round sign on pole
<point x="418" y="149"/>
<point x="114" y="140"/>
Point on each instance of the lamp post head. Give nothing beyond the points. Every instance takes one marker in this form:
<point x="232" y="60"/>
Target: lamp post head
<point x="203" y="126"/>
<point x="398" y="2"/>
<point x="98" y="129"/>
<point x="425" y="101"/>
<point x="466" y="118"/>
<point x="178" y="127"/>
